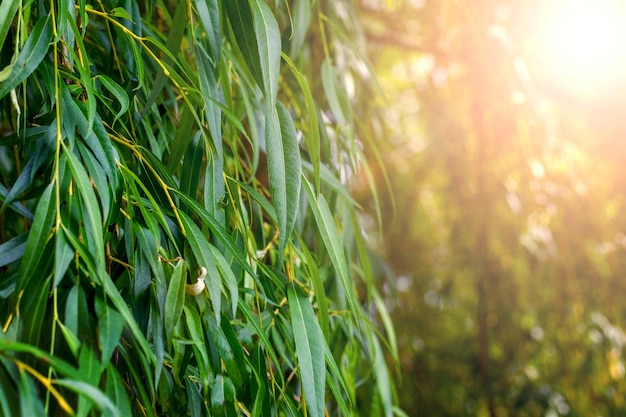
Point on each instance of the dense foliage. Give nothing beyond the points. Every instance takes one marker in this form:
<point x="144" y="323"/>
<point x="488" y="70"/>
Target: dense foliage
<point x="177" y="235"/>
<point x="509" y="218"/>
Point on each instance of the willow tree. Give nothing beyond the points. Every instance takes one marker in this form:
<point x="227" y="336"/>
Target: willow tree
<point x="178" y="236"/>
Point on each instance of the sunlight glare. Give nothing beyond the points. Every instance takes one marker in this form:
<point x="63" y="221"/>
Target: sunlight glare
<point x="582" y="42"/>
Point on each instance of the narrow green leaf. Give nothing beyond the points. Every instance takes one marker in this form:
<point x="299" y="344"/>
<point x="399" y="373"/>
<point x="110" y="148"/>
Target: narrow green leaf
<point x="383" y="382"/>
<point x="120" y="12"/>
<point x="30" y="405"/>
<point x="85" y="73"/>
<point x="6" y="71"/>
<point x="98" y="398"/>
<point x="301" y="20"/>
<point x="312" y="136"/>
<point x="223" y="397"/>
<point x="35" y="49"/>
<point x="197" y="335"/>
<point x="318" y="287"/>
<point x="283" y="158"/>
<point x="194" y="399"/>
<point x="210" y="97"/>
<point x="228" y="276"/>
<point x="368" y="275"/>
<point x="231" y="353"/>
<point x="330" y="179"/>
<point x="37" y="238"/>
<point x="13" y="249"/>
<point x="209" y="13"/>
<point x="240" y="17"/>
<point x="70" y="338"/>
<point x="101" y="182"/>
<point x="9" y="397"/>
<point x="90" y="370"/>
<point x="183" y="137"/>
<point x="76" y="310"/>
<point x="148" y="244"/>
<point x="116" y="391"/>
<point x="15" y="206"/>
<point x="258" y="385"/>
<point x="63" y="256"/>
<point x="21" y="184"/>
<point x="202" y="252"/>
<point x="339" y="397"/>
<point x="267" y="37"/>
<point x="332" y="241"/>
<point x="110" y="326"/>
<point x="189" y="177"/>
<point x="335" y="101"/>
<point x="253" y="320"/>
<point x="175" y="299"/>
<point x="90" y="206"/>
<point x="119" y="93"/>
<point x="309" y="351"/>
<point x="8" y="8"/>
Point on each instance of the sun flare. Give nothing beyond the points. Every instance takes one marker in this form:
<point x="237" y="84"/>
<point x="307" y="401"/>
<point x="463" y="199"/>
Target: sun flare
<point x="582" y="42"/>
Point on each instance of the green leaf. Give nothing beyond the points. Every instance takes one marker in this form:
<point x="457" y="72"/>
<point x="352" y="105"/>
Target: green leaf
<point x="175" y="299"/>
<point x="336" y="101"/>
<point x="202" y="252"/>
<point x="98" y="398"/>
<point x="383" y="381"/>
<point x="9" y="398"/>
<point x="120" y="12"/>
<point x="332" y="241"/>
<point x="283" y="159"/>
<point x="223" y="397"/>
<point x="232" y="354"/>
<point x="30" y="405"/>
<point x="210" y="97"/>
<point x="318" y="287"/>
<point x="63" y="256"/>
<point x="312" y="135"/>
<point x="182" y="139"/>
<point x="267" y="37"/>
<point x="119" y="93"/>
<point x="209" y="13"/>
<point x="116" y="391"/>
<point x="37" y="238"/>
<point x="196" y="333"/>
<point x="8" y="8"/>
<point x="90" y="206"/>
<point x="34" y="51"/>
<point x="189" y="177"/>
<point x="13" y="249"/>
<point x="240" y="17"/>
<point x="194" y="399"/>
<point x="301" y="21"/>
<point x="228" y="276"/>
<point x="309" y="351"/>
<point x="110" y="326"/>
<point x="90" y="370"/>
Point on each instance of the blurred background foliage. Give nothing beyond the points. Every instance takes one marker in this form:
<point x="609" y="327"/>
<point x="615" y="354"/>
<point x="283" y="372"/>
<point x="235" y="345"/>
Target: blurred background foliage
<point x="503" y="210"/>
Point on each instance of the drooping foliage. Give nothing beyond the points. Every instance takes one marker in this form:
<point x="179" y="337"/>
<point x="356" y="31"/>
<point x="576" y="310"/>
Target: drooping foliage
<point x="177" y="232"/>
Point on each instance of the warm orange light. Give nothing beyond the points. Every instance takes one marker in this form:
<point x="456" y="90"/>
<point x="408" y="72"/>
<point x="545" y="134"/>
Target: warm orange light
<point x="582" y="43"/>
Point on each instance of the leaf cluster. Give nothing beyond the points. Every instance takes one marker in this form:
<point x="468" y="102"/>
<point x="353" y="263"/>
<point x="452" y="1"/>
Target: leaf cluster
<point x="177" y="233"/>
